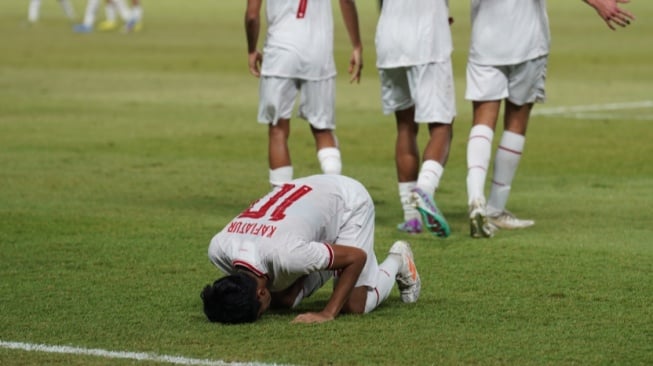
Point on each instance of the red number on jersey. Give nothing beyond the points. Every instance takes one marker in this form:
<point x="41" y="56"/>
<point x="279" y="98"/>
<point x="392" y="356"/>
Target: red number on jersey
<point x="301" y="11"/>
<point x="279" y="211"/>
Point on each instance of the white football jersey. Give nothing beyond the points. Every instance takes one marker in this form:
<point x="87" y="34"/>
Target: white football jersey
<point x="286" y="233"/>
<point x="299" y="40"/>
<point x="508" y="32"/>
<point x="412" y="32"/>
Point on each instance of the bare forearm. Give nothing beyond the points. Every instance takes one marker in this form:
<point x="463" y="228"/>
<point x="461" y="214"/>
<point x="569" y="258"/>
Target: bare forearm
<point x="350" y="18"/>
<point x="349" y="261"/>
<point x="252" y="29"/>
<point x="342" y="290"/>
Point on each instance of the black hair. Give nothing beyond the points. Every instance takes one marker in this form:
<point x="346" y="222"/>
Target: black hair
<point x="231" y="299"/>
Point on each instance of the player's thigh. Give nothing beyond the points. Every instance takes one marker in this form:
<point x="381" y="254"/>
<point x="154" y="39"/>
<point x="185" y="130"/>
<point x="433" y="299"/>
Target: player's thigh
<point x="276" y="98"/>
<point x="358" y="231"/>
<point x="486" y="82"/>
<point x="526" y="81"/>
<point x="395" y="90"/>
<point x="317" y="103"/>
<point x="433" y="92"/>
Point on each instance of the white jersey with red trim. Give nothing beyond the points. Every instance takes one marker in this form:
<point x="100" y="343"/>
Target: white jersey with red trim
<point x="286" y="234"/>
<point x="508" y="32"/>
<point x="299" y="40"/>
<point x="412" y="32"/>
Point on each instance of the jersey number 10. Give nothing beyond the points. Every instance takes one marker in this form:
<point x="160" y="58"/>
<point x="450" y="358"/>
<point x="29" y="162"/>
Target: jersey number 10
<point x="288" y="193"/>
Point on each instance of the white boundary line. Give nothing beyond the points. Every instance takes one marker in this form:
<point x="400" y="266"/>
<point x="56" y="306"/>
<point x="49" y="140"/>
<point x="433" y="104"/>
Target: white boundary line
<point x="177" y="360"/>
<point x="592" y="108"/>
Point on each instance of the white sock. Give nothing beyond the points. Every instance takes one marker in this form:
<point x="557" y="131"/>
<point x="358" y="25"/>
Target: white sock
<point x="91" y="10"/>
<point x="479" y="150"/>
<point x="123" y="9"/>
<point x="68" y="9"/>
<point x="137" y="14"/>
<point x="110" y="12"/>
<point x="33" y="11"/>
<point x="405" y="190"/>
<point x="385" y="282"/>
<point x="330" y="161"/>
<point x="312" y="283"/>
<point x="282" y="175"/>
<point x="506" y="162"/>
<point x="429" y="176"/>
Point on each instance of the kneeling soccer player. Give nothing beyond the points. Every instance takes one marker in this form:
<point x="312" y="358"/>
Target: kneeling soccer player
<point x="288" y="243"/>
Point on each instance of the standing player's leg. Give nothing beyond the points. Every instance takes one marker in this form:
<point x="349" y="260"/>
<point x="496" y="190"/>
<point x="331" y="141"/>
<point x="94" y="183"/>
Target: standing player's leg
<point x="433" y="92"/>
<point x="396" y="99"/>
<point x="525" y="86"/>
<point x="68" y="9"/>
<point x="33" y="11"/>
<point x="487" y="86"/>
<point x="281" y="170"/>
<point x="276" y="102"/>
<point x="317" y="105"/>
<point x="407" y="162"/>
<point x="479" y="152"/>
<point x="135" y="22"/>
<point x="506" y="162"/>
<point x="110" y="20"/>
<point x="89" y="17"/>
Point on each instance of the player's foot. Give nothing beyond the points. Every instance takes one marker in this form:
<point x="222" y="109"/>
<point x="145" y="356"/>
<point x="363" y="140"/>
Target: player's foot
<point x="82" y="28"/>
<point x="133" y="26"/>
<point x="407" y="278"/>
<point x="507" y="220"/>
<point x="479" y="226"/>
<point x="412" y="226"/>
<point x="107" y="25"/>
<point x="433" y="219"/>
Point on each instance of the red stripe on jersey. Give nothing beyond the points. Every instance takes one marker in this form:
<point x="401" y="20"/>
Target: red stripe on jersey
<point x="378" y="296"/>
<point x="301" y="11"/>
<point x="248" y="266"/>
<point x="331" y="255"/>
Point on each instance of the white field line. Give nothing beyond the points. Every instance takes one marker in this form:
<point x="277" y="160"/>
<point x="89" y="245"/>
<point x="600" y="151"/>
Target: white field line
<point x="177" y="360"/>
<point x="578" y="110"/>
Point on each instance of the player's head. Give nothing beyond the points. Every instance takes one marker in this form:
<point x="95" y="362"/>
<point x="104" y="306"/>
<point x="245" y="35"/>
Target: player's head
<point x="232" y="299"/>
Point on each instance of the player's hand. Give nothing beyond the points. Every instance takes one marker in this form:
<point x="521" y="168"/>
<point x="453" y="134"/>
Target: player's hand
<point x="356" y="65"/>
<point x="611" y="13"/>
<point x="308" y="318"/>
<point x="254" y="59"/>
<point x="450" y="20"/>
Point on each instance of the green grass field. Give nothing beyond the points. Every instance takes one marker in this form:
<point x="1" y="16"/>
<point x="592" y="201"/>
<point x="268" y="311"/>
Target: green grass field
<point x="122" y="155"/>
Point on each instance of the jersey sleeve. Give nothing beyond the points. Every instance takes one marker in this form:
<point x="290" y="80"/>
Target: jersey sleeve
<point x="307" y="258"/>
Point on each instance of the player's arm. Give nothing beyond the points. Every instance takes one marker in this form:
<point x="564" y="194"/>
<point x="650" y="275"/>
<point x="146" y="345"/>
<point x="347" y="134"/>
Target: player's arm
<point x="611" y="13"/>
<point x="252" y="30"/>
<point x="349" y="261"/>
<point x="350" y="17"/>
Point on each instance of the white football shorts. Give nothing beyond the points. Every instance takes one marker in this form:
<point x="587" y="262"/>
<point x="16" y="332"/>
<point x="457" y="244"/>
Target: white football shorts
<point x="522" y="83"/>
<point x="358" y="231"/>
<point x="277" y="98"/>
<point x="428" y="87"/>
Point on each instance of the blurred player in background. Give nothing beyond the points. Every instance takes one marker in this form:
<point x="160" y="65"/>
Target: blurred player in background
<point x="132" y="17"/>
<point x="413" y="46"/>
<point x="507" y="62"/>
<point x="287" y="244"/>
<point x="298" y="59"/>
<point x="34" y="10"/>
